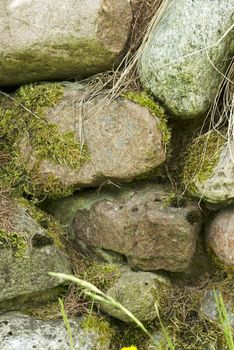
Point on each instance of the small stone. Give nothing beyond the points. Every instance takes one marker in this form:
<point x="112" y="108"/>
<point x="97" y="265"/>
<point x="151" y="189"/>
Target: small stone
<point x="135" y="291"/>
<point x="220" y="236"/>
<point x="209" y="307"/>
<point x="218" y="188"/>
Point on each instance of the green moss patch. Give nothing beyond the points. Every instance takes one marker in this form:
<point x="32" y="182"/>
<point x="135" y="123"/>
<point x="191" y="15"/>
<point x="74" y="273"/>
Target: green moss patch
<point x="46" y="221"/>
<point x="22" y="117"/>
<point x="14" y="240"/>
<point x="143" y="99"/>
<point x="202" y="157"/>
<point x="102" y="275"/>
<point x="99" y="326"/>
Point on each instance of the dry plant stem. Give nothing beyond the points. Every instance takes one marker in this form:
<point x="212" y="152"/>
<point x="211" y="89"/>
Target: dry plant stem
<point x="7" y="211"/>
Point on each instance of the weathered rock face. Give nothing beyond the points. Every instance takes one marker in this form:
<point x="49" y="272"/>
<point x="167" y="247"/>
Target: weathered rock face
<point x="176" y="67"/>
<point x="123" y="139"/>
<point x="81" y="38"/>
<point x="137" y="222"/>
<point x="26" y="257"/>
<point x="19" y="332"/>
<point x="134" y="290"/>
<point x="220" y="236"/>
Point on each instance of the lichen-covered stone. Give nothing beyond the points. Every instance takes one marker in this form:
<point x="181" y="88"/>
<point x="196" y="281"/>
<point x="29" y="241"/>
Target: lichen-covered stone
<point x="209" y="174"/>
<point x="123" y="140"/>
<point x="21" y="332"/>
<point x="220" y="236"/>
<point x="136" y="291"/>
<point x="26" y="257"/>
<point x="136" y="221"/>
<point x="186" y="53"/>
<point x="81" y="38"/>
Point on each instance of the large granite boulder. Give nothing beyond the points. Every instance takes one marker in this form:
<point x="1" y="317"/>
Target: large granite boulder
<point x="21" y="332"/>
<point x="136" y="221"/>
<point x="220" y="236"/>
<point x="137" y="292"/>
<point x="27" y="254"/>
<point x="186" y="53"/>
<point x="209" y="169"/>
<point x="81" y="38"/>
<point x="76" y="145"/>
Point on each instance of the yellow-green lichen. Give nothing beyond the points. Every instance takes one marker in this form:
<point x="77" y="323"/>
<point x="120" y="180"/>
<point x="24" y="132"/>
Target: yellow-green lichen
<point x="14" y="240"/>
<point x="22" y="117"/>
<point x="202" y="157"/>
<point x="144" y="99"/>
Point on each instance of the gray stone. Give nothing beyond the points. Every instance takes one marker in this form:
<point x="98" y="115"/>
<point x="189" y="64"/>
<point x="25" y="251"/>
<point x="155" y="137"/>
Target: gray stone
<point x="48" y="40"/>
<point x="21" y="332"/>
<point x="219" y="187"/>
<point x="136" y="221"/>
<point x="136" y="292"/>
<point x="220" y="236"/>
<point x="209" y="307"/>
<point x="26" y="259"/>
<point x="112" y="131"/>
<point x="176" y="67"/>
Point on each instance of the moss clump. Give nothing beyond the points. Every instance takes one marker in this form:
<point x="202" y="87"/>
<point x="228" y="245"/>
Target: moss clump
<point x="102" y="275"/>
<point x="22" y="117"/>
<point x="202" y="157"/>
<point x="100" y="327"/>
<point x="143" y="99"/>
<point x="128" y="335"/>
<point x="14" y="240"/>
<point x="46" y="221"/>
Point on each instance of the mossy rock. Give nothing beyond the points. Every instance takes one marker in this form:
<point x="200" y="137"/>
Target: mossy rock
<point x="137" y="292"/>
<point x="24" y="126"/>
<point x="86" y="44"/>
<point x="177" y="67"/>
<point x="27" y="254"/>
<point x="57" y="144"/>
<point x="208" y="171"/>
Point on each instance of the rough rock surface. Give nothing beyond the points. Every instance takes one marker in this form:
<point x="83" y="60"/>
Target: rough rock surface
<point x="209" y="307"/>
<point x="123" y="139"/>
<point x="136" y="221"/>
<point x="220" y="236"/>
<point x="219" y="187"/>
<point x="21" y="332"/>
<point x="134" y="291"/>
<point x="24" y="270"/>
<point x="176" y="67"/>
<point x="81" y="38"/>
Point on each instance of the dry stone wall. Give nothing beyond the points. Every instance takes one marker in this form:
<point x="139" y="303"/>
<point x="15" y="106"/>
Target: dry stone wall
<point x="134" y="165"/>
